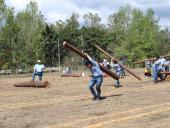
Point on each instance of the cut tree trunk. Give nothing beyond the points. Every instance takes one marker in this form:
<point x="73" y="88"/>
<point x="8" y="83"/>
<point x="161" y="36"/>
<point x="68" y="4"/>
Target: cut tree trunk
<point x="36" y="84"/>
<point x="166" y="73"/>
<point x="70" y="75"/>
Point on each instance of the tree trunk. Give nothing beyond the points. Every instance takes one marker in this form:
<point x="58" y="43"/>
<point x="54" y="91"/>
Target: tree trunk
<point x="37" y="84"/>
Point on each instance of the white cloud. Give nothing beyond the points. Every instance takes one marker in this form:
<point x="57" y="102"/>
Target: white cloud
<point x="18" y="4"/>
<point x="54" y="10"/>
<point x="164" y="22"/>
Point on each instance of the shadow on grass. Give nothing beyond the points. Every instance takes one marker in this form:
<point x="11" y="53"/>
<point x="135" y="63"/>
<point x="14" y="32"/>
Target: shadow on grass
<point x="114" y="85"/>
<point x="113" y="95"/>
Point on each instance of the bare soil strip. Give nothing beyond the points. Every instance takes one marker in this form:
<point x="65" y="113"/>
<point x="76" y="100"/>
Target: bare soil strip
<point x="121" y="116"/>
<point x="64" y="99"/>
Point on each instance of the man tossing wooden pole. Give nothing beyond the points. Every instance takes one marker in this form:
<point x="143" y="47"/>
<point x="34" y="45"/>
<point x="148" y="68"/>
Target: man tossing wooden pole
<point x="107" y="54"/>
<point x="72" y="48"/>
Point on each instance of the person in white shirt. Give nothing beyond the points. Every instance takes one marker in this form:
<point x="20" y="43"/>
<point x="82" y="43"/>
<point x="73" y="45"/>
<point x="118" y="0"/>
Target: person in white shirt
<point x="167" y="65"/>
<point x="108" y="65"/>
<point x="67" y="71"/>
<point x="38" y="70"/>
<point x="158" y="66"/>
<point x="105" y="62"/>
<point x="162" y="65"/>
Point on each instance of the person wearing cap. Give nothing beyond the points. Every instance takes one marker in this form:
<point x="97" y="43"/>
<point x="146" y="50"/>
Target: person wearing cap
<point x="38" y="70"/>
<point x="97" y="77"/>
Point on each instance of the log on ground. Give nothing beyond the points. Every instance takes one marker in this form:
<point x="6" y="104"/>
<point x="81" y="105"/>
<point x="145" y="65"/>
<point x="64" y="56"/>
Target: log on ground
<point x="36" y="84"/>
<point x="70" y="75"/>
<point x="104" y="75"/>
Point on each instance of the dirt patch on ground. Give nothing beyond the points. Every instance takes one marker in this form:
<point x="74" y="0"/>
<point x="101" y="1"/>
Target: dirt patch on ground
<point x="67" y="103"/>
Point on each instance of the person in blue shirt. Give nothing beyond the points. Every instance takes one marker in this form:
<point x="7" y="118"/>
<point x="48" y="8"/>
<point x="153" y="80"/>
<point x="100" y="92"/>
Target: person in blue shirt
<point x="97" y="77"/>
<point x="118" y="70"/>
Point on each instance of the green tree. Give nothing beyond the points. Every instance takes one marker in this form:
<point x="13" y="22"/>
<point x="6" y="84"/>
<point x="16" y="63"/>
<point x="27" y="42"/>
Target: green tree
<point x="50" y="45"/>
<point x="118" y="25"/>
<point x="92" y="20"/>
<point x="141" y="36"/>
<point x="163" y="45"/>
<point x="31" y="24"/>
<point x="8" y="32"/>
<point x="2" y="20"/>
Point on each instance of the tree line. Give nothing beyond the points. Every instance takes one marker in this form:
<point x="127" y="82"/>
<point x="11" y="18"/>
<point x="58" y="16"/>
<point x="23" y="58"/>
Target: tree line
<point x="26" y="36"/>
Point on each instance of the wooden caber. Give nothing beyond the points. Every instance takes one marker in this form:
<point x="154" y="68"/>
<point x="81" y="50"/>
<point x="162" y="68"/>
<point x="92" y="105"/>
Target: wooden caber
<point x="111" y="57"/>
<point x="104" y="75"/>
<point x="165" y="73"/>
<point x="36" y="84"/>
<point x="150" y="59"/>
<point x="70" y="75"/>
<point x="72" y="48"/>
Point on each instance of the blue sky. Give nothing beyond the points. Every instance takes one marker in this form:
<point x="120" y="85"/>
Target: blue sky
<point x="54" y="10"/>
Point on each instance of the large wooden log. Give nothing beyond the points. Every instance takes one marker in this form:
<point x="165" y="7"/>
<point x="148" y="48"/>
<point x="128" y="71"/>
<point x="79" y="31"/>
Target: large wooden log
<point x="71" y="75"/>
<point x="150" y="59"/>
<point x="37" y="84"/>
<point x="72" y="48"/>
<point x="142" y="61"/>
<point x="104" y="75"/>
<point x="165" y="73"/>
<point x="111" y="57"/>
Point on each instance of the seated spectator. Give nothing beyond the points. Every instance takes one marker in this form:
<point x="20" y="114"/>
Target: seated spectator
<point x="147" y="72"/>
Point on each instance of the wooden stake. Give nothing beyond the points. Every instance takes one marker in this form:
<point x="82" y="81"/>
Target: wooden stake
<point x="111" y="57"/>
